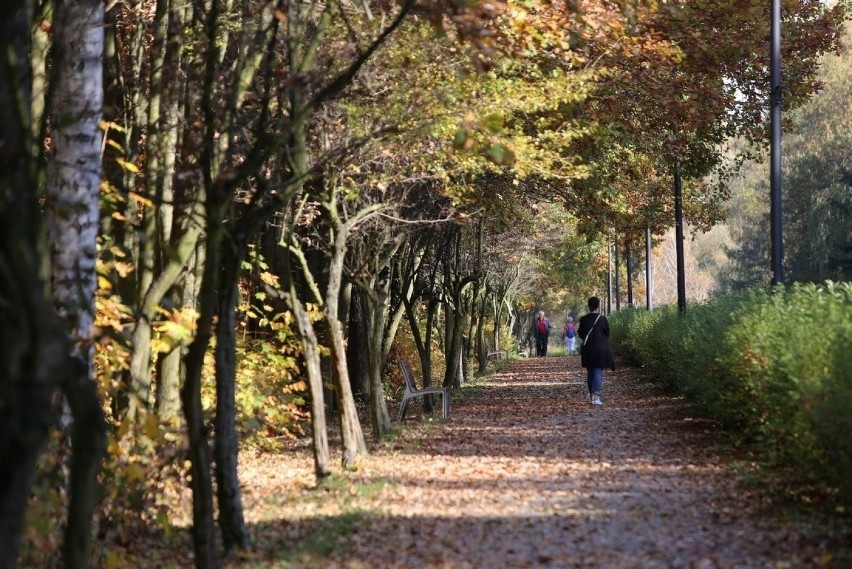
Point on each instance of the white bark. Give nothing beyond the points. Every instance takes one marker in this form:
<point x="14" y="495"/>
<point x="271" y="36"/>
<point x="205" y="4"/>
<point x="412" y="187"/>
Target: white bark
<point x="75" y="167"/>
<point x="73" y="185"/>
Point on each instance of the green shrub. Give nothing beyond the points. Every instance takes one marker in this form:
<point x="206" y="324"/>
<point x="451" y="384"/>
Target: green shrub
<point x="773" y="368"/>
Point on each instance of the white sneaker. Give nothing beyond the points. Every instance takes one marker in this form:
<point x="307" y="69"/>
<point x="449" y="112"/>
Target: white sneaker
<point x="597" y="401"/>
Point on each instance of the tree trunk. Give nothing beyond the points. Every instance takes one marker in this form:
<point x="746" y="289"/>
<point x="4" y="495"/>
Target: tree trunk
<point x="140" y="366"/>
<point x="310" y="351"/>
<point x="481" y="348"/>
<point x="170" y="372"/>
<point x="155" y="262"/>
<point x="88" y="439"/>
<point x="72" y="207"/>
<point x="34" y="356"/>
<point x="322" y="459"/>
<point x="356" y="346"/>
<point x="226" y="444"/>
<point x="378" y="409"/>
<point x="34" y="349"/>
<point x="454" y="325"/>
<point x="426" y="356"/>
<point x="354" y="446"/>
<point x="396" y="314"/>
<point x="204" y="540"/>
<point x="168" y="385"/>
<point x="172" y="369"/>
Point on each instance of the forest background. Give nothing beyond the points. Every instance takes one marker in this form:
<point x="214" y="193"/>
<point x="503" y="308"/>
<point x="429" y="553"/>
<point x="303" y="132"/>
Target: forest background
<point x="217" y="218"/>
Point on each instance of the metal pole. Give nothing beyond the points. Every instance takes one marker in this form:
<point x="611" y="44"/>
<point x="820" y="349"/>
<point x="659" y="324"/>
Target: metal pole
<point x="629" y="258"/>
<point x="681" y="270"/>
<point x="648" y="268"/>
<point x="617" y="275"/>
<point x="608" y="278"/>
<point x="776" y="241"/>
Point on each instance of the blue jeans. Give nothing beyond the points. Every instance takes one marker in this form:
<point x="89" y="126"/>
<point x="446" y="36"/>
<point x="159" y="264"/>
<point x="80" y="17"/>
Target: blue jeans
<point x="594" y="379"/>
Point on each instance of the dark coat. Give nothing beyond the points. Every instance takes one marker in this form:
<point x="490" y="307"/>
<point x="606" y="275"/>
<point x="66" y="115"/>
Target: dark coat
<point x="595" y="353"/>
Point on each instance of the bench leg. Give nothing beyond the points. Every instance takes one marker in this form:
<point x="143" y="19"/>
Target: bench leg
<point x="403" y="408"/>
<point x="446" y="397"/>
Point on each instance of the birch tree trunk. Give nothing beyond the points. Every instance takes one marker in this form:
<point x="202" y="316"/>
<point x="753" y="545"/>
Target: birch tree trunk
<point x="72" y="211"/>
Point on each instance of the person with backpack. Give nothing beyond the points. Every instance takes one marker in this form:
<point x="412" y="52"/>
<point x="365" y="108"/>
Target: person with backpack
<point x="595" y="353"/>
<point x="541" y="330"/>
<point x="569" y="335"/>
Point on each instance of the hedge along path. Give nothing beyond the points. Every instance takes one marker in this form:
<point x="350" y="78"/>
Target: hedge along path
<point x="527" y="473"/>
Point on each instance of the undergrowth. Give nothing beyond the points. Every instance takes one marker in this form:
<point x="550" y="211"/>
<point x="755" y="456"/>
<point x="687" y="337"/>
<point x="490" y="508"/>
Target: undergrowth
<point x="774" y="369"/>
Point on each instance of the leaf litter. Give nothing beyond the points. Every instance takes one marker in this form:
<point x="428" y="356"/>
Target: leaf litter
<point x="526" y="473"/>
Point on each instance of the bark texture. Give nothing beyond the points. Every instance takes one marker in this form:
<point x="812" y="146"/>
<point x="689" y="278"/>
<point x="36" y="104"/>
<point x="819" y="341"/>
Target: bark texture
<point x="226" y="446"/>
<point x="72" y="213"/>
<point x="33" y="347"/>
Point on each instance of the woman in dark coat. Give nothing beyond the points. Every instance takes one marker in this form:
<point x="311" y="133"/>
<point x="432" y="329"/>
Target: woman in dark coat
<point x="595" y="354"/>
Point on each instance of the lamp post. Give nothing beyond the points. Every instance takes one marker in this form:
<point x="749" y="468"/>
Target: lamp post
<point x="617" y="273"/>
<point x="777" y="244"/>
<point x="608" y="278"/>
<point x="681" y="269"/>
<point x="649" y="278"/>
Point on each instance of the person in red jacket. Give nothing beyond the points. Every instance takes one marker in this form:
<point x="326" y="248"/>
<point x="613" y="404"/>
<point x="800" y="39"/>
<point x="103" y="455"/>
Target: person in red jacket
<point x="541" y="329"/>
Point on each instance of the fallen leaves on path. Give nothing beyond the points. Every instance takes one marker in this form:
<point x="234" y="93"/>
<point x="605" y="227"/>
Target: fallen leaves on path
<point x="526" y="473"/>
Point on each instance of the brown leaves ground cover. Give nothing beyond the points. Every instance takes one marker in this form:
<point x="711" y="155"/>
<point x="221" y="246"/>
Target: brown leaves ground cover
<point x="526" y="473"/>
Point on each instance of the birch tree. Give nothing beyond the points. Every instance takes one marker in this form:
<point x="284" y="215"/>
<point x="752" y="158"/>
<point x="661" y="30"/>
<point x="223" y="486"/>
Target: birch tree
<point x="46" y="345"/>
<point x="72" y="211"/>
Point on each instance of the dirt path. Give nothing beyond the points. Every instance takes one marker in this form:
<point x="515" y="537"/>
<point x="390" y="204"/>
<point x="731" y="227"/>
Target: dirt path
<point x="528" y="474"/>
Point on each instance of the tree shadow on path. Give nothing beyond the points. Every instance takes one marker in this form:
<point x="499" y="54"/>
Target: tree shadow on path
<point x="527" y="473"/>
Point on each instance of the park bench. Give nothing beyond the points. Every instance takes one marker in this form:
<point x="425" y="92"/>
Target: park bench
<point x="411" y="391"/>
<point x="491" y="352"/>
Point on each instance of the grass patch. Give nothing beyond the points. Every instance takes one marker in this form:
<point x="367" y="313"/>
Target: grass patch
<point x="317" y="524"/>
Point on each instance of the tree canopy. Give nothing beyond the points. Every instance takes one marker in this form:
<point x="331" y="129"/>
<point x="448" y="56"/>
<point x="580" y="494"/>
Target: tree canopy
<point x="285" y="186"/>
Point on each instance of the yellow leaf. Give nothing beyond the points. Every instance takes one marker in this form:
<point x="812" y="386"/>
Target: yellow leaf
<point x="141" y="199"/>
<point x="269" y="278"/>
<point x="152" y="427"/>
<point x="135" y="473"/>
<point x="123" y="429"/>
<point x="114" y="560"/>
<point x="115" y="145"/>
<point x="109" y="125"/>
<point x="127" y="165"/>
<point x="104" y="284"/>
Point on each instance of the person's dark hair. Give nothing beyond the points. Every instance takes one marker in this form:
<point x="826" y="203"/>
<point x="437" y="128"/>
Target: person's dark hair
<point x="594" y="303"/>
